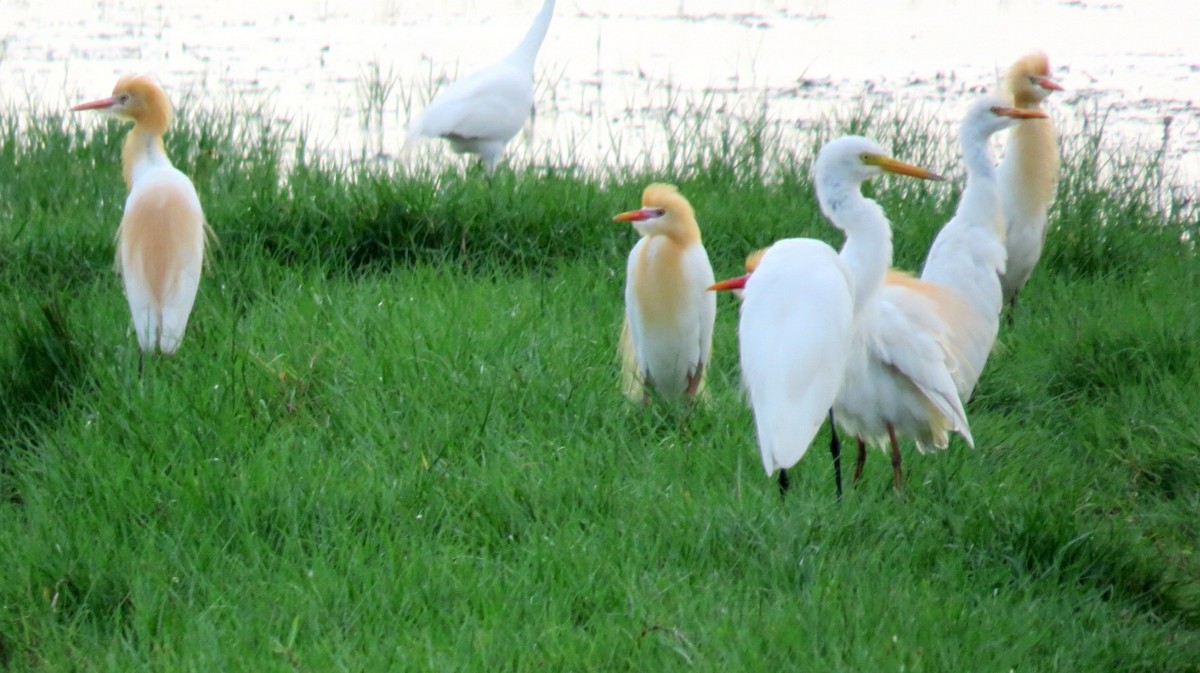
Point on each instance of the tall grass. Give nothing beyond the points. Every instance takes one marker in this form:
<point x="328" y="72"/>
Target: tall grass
<point x="394" y="438"/>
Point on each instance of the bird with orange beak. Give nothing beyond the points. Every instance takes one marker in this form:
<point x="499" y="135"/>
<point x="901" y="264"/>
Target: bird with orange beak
<point x="667" y="336"/>
<point x="810" y="315"/>
<point x="1028" y="175"/>
<point x="161" y="239"/>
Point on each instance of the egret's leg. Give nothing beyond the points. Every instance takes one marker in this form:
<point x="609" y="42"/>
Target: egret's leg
<point x="860" y="460"/>
<point x="835" y="448"/>
<point x="783" y="483"/>
<point x="897" y="477"/>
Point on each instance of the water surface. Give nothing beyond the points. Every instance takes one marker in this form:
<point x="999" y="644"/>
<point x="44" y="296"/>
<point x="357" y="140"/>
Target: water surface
<point x="610" y="70"/>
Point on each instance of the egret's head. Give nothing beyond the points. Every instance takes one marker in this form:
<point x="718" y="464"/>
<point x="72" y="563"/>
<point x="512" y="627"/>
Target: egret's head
<point x="1029" y="80"/>
<point x="664" y="212"/>
<point x="855" y="159"/>
<point x="991" y="114"/>
<point x="135" y="98"/>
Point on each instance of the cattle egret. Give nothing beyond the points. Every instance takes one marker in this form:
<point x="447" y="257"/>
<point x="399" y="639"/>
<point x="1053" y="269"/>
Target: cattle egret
<point x="1028" y="175"/>
<point x="160" y="243"/>
<point x="968" y="254"/>
<point x="803" y="302"/>
<point x="481" y="112"/>
<point x="667" y="336"/>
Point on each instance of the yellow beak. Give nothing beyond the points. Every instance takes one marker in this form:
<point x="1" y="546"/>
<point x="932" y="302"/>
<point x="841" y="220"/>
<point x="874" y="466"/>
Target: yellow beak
<point x="898" y="167"/>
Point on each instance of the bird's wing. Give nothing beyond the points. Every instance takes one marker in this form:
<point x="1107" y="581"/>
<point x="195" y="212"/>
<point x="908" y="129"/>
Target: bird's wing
<point x="905" y="330"/>
<point x="490" y="104"/>
<point x="794" y="339"/>
<point x="160" y="252"/>
<point x="698" y="274"/>
<point x="631" y="330"/>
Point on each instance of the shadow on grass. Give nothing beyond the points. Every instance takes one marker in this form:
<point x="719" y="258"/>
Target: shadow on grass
<point x="1040" y="545"/>
<point x="46" y="366"/>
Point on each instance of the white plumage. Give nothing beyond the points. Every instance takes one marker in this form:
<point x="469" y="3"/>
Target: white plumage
<point x="161" y="240"/>
<point x="669" y="314"/>
<point x="793" y="340"/>
<point x="968" y="255"/>
<point x="803" y="305"/>
<point x="478" y="114"/>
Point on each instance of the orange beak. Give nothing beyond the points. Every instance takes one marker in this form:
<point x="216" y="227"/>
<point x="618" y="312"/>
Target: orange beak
<point x="638" y="215"/>
<point x="101" y="104"/>
<point x="1018" y="113"/>
<point x="1049" y="84"/>
<point x="738" y="283"/>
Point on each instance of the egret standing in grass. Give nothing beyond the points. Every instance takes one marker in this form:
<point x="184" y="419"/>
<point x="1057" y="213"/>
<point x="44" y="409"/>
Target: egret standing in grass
<point x="478" y="114"/>
<point x="160" y="243"/>
<point x="898" y="375"/>
<point x="803" y="302"/>
<point x="666" y="340"/>
<point x="968" y="255"/>
<point x="1028" y="174"/>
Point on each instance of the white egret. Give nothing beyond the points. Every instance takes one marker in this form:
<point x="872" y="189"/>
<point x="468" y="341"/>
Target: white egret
<point x="1028" y="175"/>
<point x="667" y="337"/>
<point x="803" y="302"/>
<point x="478" y="114"/>
<point x="968" y="255"/>
<point x="898" y="374"/>
<point x="161" y="240"/>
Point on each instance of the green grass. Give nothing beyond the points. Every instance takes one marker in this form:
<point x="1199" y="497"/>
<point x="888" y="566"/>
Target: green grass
<point x="394" y="438"/>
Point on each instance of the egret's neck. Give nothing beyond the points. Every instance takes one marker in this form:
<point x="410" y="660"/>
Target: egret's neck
<point x="143" y="149"/>
<point x="526" y="52"/>
<point x="982" y="193"/>
<point x="867" y="252"/>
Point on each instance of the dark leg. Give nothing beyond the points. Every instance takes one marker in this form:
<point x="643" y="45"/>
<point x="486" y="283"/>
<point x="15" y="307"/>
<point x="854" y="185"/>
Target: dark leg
<point x="1012" y="310"/>
<point x="141" y="362"/>
<point x="897" y="476"/>
<point x="694" y="379"/>
<point x="835" y="448"/>
<point x="861" y="460"/>
<point x="783" y="483"/>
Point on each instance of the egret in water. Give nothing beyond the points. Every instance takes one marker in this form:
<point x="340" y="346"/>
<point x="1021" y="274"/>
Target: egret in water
<point x="160" y="243"/>
<point x="1028" y="175"/>
<point x="667" y="336"/>
<point x="803" y="302"/>
<point x="968" y="255"/>
<point x="478" y="114"/>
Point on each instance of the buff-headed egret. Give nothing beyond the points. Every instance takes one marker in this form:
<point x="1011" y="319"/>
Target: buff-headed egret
<point x="1028" y="175"/>
<point x="968" y="255"/>
<point x="803" y="303"/>
<point x="669" y="314"/>
<point x="478" y="114"/>
<point x="161" y="239"/>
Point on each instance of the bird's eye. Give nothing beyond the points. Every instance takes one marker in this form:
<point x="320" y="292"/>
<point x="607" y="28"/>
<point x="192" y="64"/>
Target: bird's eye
<point x="124" y="98"/>
<point x="1033" y="79"/>
<point x="659" y="212"/>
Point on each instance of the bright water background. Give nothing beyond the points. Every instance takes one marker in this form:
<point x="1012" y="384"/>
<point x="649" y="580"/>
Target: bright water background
<point x="612" y="71"/>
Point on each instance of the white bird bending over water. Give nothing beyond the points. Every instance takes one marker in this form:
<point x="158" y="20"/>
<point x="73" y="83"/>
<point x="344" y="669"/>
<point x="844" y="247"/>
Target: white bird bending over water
<point x="478" y="114"/>
<point x="802" y="304"/>
<point x="968" y="255"/>
<point x="1028" y="174"/>
<point x="160" y="243"/>
<point x="666" y="341"/>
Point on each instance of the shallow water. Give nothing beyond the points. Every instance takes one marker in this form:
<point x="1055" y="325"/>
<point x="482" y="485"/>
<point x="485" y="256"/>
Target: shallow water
<point x="610" y="70"/>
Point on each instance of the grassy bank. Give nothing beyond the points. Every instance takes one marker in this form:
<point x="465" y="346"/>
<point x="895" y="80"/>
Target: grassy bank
<point x="393" y="438"/>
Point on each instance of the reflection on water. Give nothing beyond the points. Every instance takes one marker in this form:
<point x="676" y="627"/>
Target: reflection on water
<point x="611" y="68"/>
